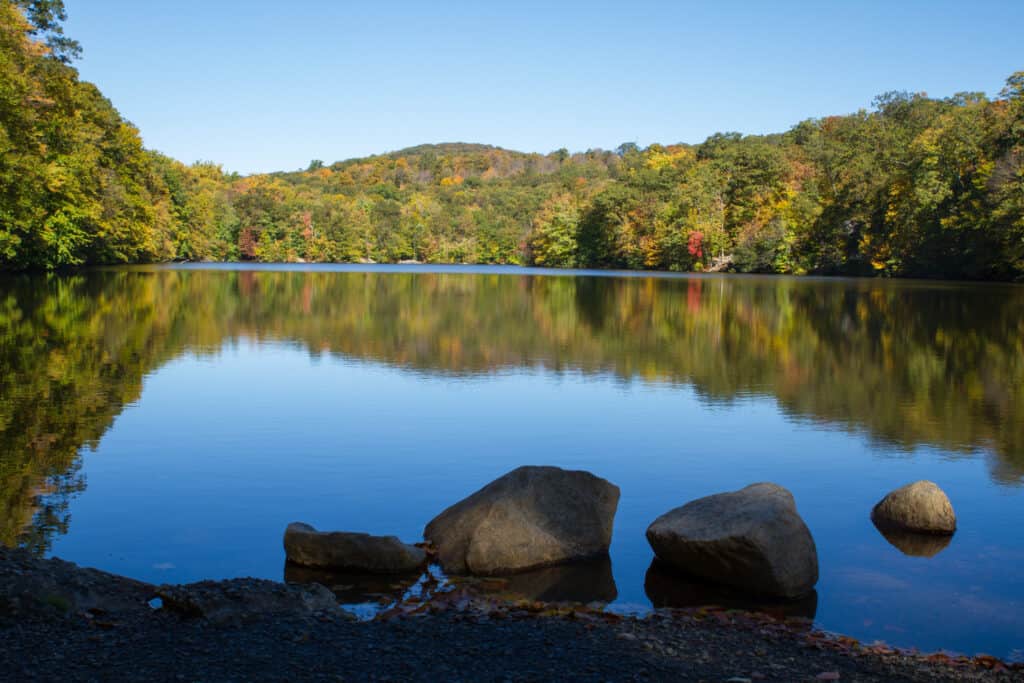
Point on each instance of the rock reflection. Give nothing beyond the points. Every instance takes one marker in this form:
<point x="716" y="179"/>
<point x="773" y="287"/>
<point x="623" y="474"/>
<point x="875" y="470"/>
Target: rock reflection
<point x="667" y="587"/>
<point x="584" y="581"/>
<point x="915" y="545"/>
<point x="351" y="587"/>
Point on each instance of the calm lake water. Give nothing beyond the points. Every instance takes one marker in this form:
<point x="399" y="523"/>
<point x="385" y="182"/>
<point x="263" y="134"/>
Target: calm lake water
<point x="167" y="423"/>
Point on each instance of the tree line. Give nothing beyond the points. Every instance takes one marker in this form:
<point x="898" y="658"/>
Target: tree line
<point x="915" y="186"/>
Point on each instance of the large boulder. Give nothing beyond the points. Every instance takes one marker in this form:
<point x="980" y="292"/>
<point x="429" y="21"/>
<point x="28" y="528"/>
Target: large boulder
<point x="752" y="539"/>
<point x="920" y="507"/>
<point x="531" y="517"/>
<point x="304" y="545"/>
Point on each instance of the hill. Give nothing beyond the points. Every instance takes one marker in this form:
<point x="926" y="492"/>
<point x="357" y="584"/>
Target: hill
<point x="913" y="187"/>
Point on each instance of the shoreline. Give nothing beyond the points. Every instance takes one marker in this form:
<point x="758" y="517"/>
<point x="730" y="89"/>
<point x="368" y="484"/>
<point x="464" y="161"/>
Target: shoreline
<point x="492" y="268"/>
<point x="59" y="621"/>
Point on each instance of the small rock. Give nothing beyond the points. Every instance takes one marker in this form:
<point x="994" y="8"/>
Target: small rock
<point x="827" y="676"/>
<point x="920" y="507"/>
<point x="304" y="545"/>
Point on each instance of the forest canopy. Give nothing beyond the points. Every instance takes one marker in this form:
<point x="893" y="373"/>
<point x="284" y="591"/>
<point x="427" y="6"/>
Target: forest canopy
<point x="914" y="186"/>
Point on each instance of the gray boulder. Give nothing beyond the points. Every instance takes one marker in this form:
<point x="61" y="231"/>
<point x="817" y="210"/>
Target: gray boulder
<point x="304" y="545"/>
<point x="752" y="539"/>
<point x="531" y="517"/>
<point x="920" y="507"/>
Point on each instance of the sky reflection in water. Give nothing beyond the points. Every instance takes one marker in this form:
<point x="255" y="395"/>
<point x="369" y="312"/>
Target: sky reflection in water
<point x="372" y="401"/>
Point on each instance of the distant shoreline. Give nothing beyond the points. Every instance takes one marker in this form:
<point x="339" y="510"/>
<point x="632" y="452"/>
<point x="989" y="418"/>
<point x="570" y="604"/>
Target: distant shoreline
<point x="488" y="269"/>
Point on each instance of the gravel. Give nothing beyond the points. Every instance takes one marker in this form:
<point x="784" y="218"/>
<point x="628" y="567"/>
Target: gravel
<point x="45" y="635"/>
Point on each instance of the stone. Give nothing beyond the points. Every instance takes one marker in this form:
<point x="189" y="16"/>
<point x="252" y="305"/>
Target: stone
<point x="921" y="507"/>
<point x="531" y="517"/>
<point x="242" y="600"/>
<point x="752" y="539"/>
<point x="305" y="546"/>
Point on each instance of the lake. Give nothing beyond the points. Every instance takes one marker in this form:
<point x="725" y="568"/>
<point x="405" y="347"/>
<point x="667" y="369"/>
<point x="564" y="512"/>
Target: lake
<point x="167" y="423"/>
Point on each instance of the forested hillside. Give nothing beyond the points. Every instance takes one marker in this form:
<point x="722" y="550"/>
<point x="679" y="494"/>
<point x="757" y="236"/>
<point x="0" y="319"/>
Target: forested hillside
<point x="915" y="186"/>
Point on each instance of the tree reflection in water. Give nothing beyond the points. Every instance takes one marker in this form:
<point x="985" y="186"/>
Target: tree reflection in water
<point x="907" y="363"/>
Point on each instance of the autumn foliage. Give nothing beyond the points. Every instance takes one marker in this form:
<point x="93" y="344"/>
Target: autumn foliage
<point x="915" y="186"/>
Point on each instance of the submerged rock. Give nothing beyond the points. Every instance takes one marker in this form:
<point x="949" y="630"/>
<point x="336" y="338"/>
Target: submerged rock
<point x="753" y="539"/>
<point x="304" y="545"/>
<point x="531" y="517"/>
<point x="920" y="507"/>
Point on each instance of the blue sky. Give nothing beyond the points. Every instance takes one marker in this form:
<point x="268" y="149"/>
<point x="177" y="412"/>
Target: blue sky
<point x="261" y="86"/>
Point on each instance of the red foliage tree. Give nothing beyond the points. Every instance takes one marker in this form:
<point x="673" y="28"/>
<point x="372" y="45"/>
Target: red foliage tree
<point x="695" y="244"/>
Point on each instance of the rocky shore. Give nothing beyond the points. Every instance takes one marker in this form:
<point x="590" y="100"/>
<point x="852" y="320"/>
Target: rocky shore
<point x="62" y="622"/>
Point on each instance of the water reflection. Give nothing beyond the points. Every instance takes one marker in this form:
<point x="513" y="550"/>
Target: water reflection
<point x="666" y="587"/>
<point x="585" y="581"/>
<point x="915" y="545"/>
<point x="352" y="587"/>
<point x="906" y="363"/>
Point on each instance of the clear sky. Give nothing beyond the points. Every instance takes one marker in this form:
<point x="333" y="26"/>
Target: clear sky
<point x="261" y="86"/>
